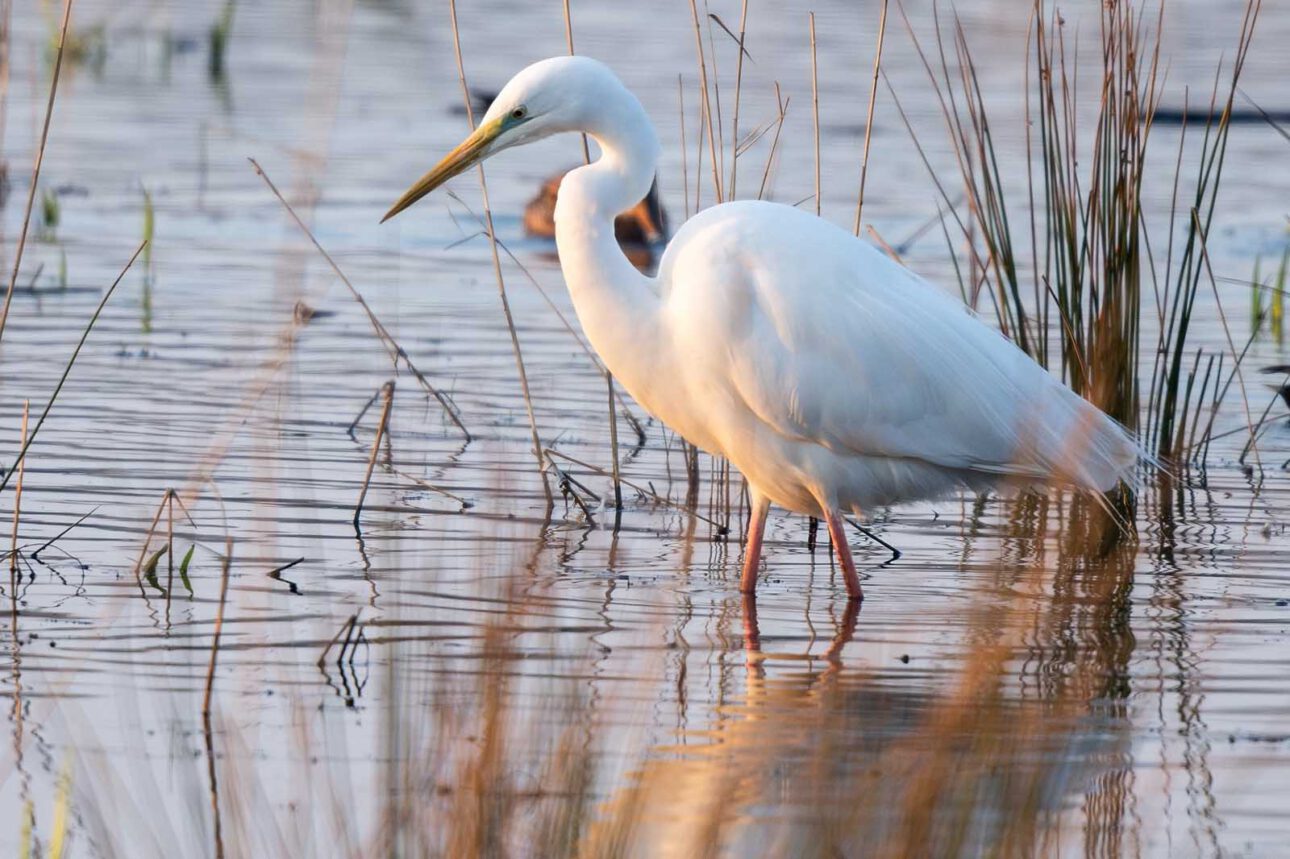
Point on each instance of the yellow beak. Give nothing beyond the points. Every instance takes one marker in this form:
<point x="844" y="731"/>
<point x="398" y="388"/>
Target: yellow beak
<point x="454" y="163"/>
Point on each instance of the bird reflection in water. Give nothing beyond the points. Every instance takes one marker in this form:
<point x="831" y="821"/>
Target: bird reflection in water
<point x="846" y="630"/>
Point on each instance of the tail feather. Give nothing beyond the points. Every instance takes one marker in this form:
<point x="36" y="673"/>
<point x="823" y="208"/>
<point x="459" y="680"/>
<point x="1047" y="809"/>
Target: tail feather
<point x="1082" y="445"/>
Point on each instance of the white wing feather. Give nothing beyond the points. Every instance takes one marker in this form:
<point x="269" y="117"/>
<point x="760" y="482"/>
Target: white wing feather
<point x="827" y="340"/>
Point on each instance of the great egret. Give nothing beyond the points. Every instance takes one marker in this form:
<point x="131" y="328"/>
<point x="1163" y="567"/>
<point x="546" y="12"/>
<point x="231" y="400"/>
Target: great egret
<point x="831" y="376"/>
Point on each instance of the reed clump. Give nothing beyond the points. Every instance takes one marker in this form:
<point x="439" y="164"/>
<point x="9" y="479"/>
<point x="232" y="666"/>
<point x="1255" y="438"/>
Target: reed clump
<point x="1069" y="279"/>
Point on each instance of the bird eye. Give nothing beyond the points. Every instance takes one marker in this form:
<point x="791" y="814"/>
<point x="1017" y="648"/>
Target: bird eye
<point x="519" y="112"/>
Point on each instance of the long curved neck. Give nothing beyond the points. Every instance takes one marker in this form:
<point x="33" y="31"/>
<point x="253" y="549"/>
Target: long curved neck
<point x="619" y="308"/>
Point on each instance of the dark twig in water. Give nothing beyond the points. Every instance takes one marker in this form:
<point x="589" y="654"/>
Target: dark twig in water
<point x="68" y="369"/>
<point x="425" y="484"/>
<point x="352" y="432"/>
<point x="17" y="497"/>
<point x="895" y="553"/>
<point x="170" y="550"/>
<point x="388" y="391"/>
<point x="219" y="626"/>
<point x="352" y="429"/>
<point x="721" y="529"/>
<point x="209" y="734"/>
<point x="35" y="556"/>
<point x="147" y="540"/>
<point x="613" y="449"/>
<point x="276" y="575"/>
<point x="569" y="487"/>
<point x="346" y="630"/>
<point x="40" y="157"/>
<point x="396" y="352"/>
<point x="739" y="39"/>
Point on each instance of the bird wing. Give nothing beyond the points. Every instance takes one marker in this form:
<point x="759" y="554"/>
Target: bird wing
<point x="826" y="340"/>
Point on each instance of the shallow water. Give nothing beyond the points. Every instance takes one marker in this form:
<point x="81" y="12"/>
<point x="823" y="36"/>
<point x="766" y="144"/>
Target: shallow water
<point x="614" y="675"/>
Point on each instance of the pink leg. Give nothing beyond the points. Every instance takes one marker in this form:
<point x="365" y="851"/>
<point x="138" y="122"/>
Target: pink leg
<point x="752" y="632"/>
<point x="752" y="639"/>
<point x="839" y="537"/>
<point x="752" y="548"/>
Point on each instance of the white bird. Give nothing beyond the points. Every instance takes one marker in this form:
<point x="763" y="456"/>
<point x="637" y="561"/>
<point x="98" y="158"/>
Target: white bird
<point x="833" y="378"/>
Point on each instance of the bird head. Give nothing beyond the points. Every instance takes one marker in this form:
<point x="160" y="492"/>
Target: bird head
<point x="546" y="98"/>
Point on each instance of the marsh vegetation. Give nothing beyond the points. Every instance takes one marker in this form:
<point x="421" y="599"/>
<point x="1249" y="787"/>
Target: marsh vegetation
<point x="335" y="540"/>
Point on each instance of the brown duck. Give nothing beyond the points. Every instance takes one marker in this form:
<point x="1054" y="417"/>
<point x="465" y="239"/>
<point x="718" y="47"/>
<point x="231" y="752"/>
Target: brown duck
<point x="643" y="224"/>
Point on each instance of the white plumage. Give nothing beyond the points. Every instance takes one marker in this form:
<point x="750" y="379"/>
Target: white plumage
<point x="832" y="377"/>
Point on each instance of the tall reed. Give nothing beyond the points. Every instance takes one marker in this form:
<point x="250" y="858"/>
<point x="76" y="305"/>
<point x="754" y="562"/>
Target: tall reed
<point x="38" y="161"/>
<point x="1090" y="258"/>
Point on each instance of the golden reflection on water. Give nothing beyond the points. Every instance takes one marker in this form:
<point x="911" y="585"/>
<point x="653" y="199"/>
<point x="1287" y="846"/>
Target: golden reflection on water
<point x="822" y="757"/>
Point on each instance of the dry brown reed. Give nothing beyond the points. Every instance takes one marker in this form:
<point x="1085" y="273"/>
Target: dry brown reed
<point x="497" y="264"/>
<point x="735" y="145"/>
<point x="868" y="123"/>
<point x="67" y="368"/>
<point x="568" y="39"/>
<point x="609" y="377"/>
<point x="208" y="733"/>
<point x="382" y="424"/>
<point x="708" y="121"/>
<point x="815" y="108"/>
<point x="139" y="564"/>
<point x="39" y="159"/>
<point x="782" y="104"/>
